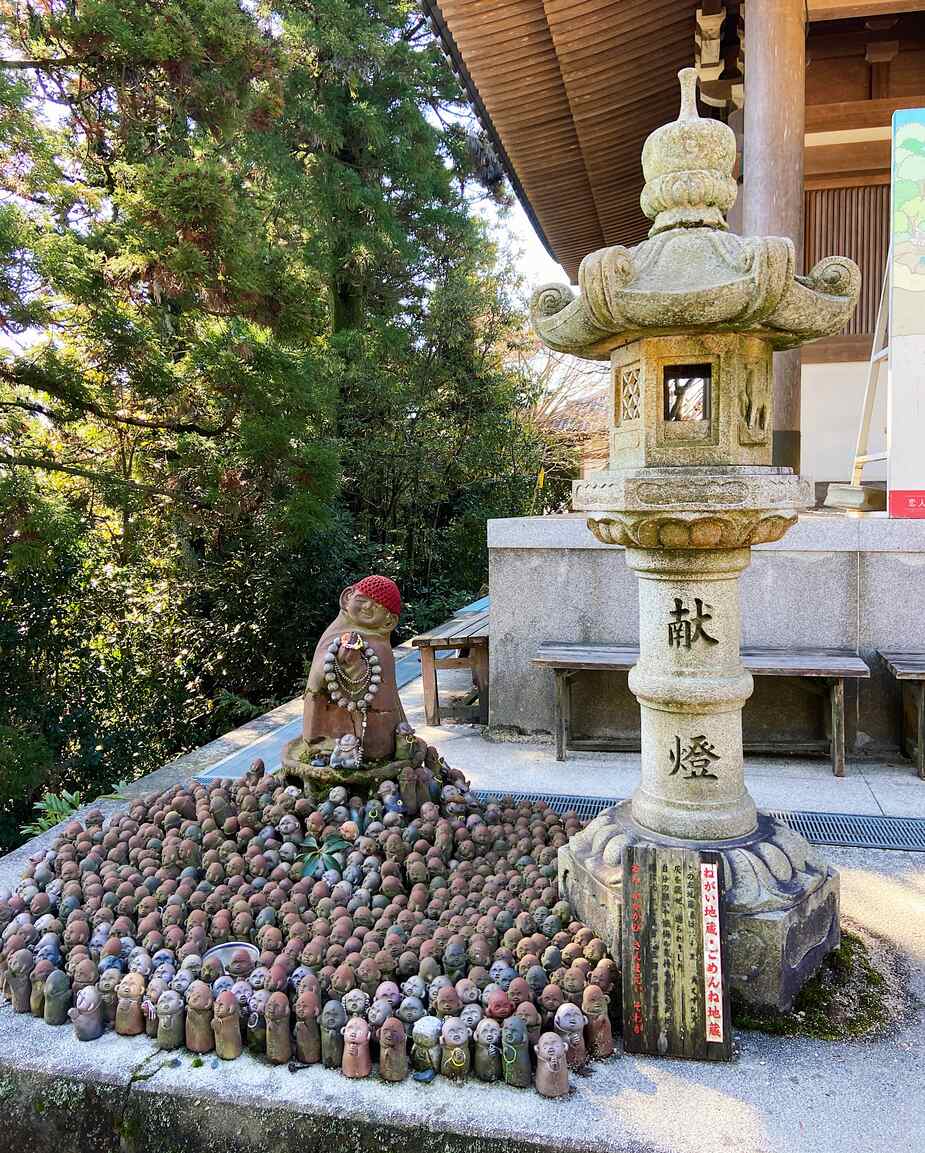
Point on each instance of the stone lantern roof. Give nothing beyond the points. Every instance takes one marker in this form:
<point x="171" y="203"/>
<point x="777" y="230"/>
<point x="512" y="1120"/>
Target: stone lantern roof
<point x="691" y="274"/>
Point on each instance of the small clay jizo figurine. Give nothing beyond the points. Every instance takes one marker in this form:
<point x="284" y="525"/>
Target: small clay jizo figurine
<point x="199" y="1035"/>
<point x="570" y="1024"/>
<point x="19" y="973"/>
<point x="307" y="1034"/>
<point x="471" y="1015"/>
<point x="332" y="1021"/>
<point x="551" y="1066"/>
<point x="426" y="1055"/>
<point x="170" y="1020"/>
<point x="346" y="752"/>
<point x="487" y="1061"/>
<point x="57" y="997"/>
<point x="530" y="1015"/>
<point x="257" y="1023"/>
<point x="37" y="995"/>
<point x="226" y="1025"/>
<point x="279" y="1046"/>
<point x="87" y="1014"/>
<point x="130" y="1018"/>
<point x="515" y="1054"/>
<point x="454" y="1041"/>
<point x="107" y="985"/>
<point x="357" y="1061"/>
<point x="156" y="986"/>
<point x="393" y="1050"/>
<point x="598" y="1032"/>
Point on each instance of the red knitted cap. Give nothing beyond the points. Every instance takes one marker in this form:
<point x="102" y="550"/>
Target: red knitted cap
<point x="383" y="591"/>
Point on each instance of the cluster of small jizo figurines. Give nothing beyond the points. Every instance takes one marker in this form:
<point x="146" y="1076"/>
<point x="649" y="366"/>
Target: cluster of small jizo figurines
<point x="437" y="945"/>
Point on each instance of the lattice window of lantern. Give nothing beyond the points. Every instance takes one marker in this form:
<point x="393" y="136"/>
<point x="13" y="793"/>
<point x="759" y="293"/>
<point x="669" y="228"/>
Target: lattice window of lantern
<point x="629" y="394"/>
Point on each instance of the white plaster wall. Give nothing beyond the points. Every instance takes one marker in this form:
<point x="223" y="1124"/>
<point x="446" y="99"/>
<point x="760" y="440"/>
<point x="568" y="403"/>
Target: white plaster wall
<point x="830" y="412"/>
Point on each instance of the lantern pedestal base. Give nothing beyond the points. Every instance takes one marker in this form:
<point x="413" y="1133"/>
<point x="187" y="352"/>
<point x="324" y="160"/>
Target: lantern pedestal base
<point x="781" y="899"/>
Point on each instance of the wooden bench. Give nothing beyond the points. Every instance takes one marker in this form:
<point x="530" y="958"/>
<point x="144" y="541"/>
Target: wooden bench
<point x="909" y="670"/>
<point x="467" y="636"/>
<point x="832" y="666"/>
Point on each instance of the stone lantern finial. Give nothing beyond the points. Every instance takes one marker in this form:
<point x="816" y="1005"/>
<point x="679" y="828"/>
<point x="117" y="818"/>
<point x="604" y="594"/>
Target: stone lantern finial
<point x="692" y="274"/>
<point x="688" y="167"/>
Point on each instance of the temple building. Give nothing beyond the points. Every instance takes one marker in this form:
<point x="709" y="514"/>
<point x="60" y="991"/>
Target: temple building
<point x="568" y="90"/>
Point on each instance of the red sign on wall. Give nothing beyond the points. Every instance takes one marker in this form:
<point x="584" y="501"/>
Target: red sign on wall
<point x="908" y="503"/>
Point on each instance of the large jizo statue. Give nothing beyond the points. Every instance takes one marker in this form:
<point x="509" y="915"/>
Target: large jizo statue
<point x="354" y="730"/>
<point x="352" y="708"/>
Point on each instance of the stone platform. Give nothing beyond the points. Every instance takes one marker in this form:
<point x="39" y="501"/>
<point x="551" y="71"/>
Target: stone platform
<point x="779" y="1095"/>
<point x="119" y="1095"/>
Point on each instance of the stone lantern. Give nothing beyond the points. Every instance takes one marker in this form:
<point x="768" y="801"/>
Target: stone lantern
<point x="689" y="320"/>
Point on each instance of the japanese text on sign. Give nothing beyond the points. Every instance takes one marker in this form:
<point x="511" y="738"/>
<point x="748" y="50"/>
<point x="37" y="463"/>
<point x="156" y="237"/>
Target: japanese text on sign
<point x="712" y="953"/>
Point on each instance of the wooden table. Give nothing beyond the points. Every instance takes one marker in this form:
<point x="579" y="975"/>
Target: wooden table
<point x="468" y="637"/>
<point x="831" y="666"/>
<point x="909" y="670"/>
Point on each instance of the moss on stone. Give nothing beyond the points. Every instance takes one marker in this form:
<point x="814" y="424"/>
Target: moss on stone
<point x="846" y="999"/>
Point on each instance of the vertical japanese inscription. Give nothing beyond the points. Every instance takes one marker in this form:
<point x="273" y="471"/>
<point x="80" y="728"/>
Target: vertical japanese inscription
<point x="686" y="628"/>
<point x="674" y="1001"/>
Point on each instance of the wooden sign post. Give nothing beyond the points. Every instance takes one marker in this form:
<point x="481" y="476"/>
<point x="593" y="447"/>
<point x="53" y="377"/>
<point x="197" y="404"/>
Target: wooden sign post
<point x="675" y="997"/>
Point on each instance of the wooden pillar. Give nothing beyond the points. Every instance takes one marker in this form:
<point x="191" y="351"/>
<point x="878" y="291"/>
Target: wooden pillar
<point x="775" y="115"/>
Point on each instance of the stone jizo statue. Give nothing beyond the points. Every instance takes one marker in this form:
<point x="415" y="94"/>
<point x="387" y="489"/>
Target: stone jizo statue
<point x="351" y="687"/>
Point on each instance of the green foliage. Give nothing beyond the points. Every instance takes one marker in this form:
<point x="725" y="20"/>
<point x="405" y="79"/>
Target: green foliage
<point x="26" y="763"/>
<point x="52" y="809"/>
<point x="319" y="857"/>
<point x="256" y="343"/>
<point x="846" y="999"/>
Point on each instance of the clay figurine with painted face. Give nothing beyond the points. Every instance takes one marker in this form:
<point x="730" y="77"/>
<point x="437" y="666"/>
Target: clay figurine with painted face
<point x="226" y="1025"/>
<point x="369" y="612"/>
<point x="515" y="1054"/>
<point x="87" y="1015"/>
<point x="357" y="1061"/>
<point x="570" y="1024"/>
<point x="393" y="1050"/>
<point x="454" y="1040"/>
<point x="333" y="1019"/>
<point x="170" y="1020"/>
<point x="307" y="1034"/>
<point x="551" y="1066"/>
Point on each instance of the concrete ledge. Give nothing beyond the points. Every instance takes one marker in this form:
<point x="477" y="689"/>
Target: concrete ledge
<point x="820" y="531"/>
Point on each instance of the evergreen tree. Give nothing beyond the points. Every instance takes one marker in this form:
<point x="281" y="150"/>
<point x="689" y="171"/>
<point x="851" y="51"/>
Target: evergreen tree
<point x="256" y="340"/>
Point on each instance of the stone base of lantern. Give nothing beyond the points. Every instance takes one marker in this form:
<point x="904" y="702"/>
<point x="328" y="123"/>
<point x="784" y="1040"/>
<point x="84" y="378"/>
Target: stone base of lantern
<point x="781" y="904"/>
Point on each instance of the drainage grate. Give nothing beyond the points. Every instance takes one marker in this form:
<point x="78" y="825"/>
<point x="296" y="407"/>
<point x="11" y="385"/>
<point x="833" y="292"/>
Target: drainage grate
<point x="858" y="831"/>
<point x="849" y="829"/>
<point x="586" y="808"/>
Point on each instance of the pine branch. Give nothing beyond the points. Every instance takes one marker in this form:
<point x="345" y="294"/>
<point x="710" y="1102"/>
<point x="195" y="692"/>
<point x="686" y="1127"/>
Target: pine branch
<point x="47" y="65"/>
<point x="8" y="460"/>
<point x="87" y="406"/>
